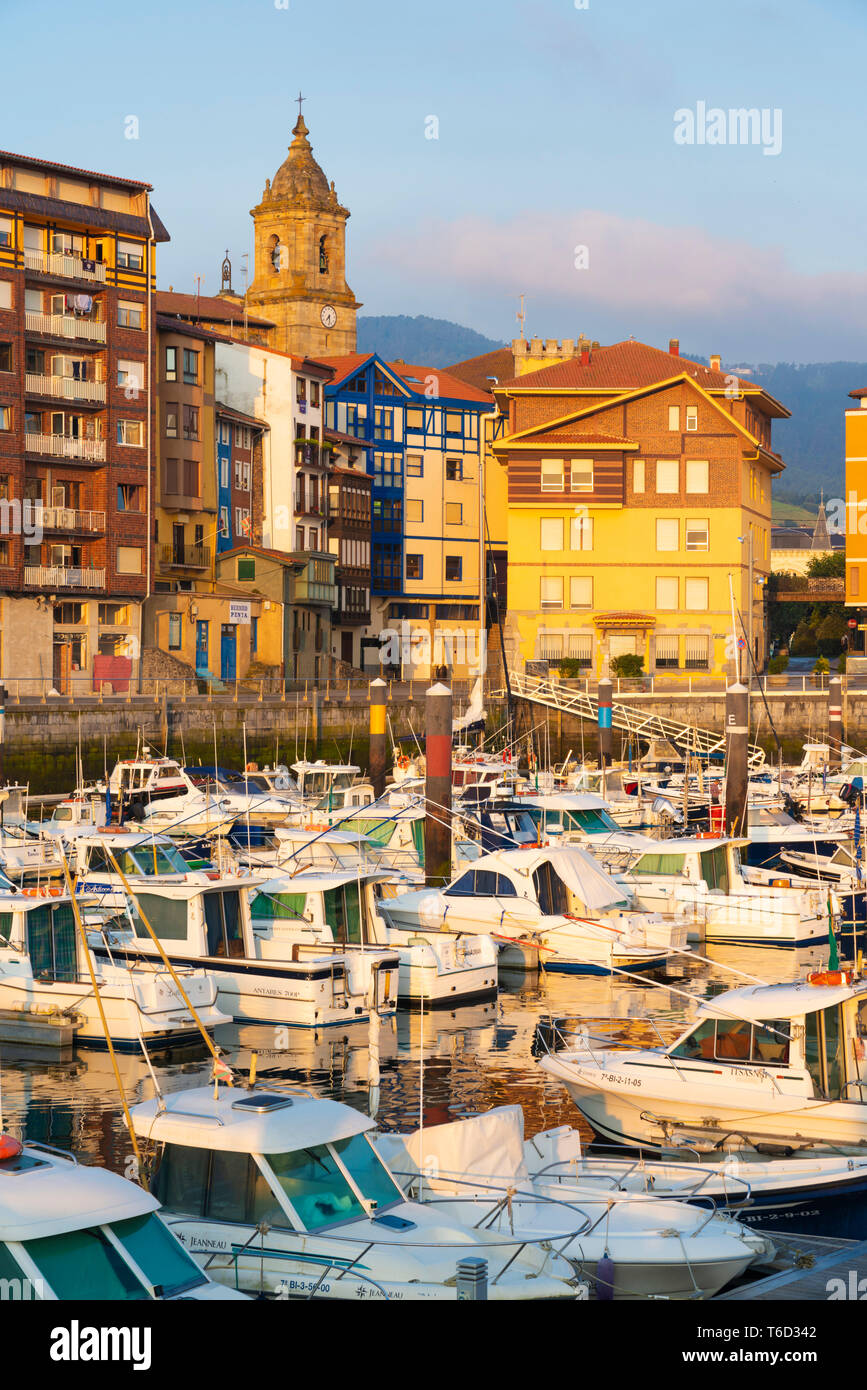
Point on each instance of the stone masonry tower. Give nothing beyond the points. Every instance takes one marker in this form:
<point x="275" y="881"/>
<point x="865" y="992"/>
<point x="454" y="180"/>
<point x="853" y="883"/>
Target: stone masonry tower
<point x="299" y="277"/>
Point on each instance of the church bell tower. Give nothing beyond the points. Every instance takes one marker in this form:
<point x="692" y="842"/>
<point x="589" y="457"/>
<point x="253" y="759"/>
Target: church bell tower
<point x="299" y="275"/>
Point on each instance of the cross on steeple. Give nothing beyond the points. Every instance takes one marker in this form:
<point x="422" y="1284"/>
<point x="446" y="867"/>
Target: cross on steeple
<point x="300" y="99"/>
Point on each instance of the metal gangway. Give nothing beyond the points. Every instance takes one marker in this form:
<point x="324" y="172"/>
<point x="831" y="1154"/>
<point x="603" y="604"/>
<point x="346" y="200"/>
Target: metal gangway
<point x="688" y="739"/>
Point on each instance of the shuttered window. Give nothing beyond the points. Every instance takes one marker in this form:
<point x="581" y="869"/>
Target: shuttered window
<point x="667" y="652"/>
<point x="697" y="653"/>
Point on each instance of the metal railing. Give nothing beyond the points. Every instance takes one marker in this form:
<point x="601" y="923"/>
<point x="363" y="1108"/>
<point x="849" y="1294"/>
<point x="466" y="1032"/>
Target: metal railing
<point x="68" y="519"/>
<point x="62" y="577"/>
<point x="65" y="326"/>
<point x="65" y="263"/>
<point x="195" y="557"/>
<point x="67" y="388"/>
<point x="65" y="446"/>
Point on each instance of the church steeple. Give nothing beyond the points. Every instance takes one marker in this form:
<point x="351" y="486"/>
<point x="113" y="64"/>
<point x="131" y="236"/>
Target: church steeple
<point x="821" y="540"/>
<point x="299" y="277"/>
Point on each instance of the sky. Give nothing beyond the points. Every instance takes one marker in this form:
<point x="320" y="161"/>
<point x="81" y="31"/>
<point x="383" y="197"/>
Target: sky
<point x="489" y="148"/>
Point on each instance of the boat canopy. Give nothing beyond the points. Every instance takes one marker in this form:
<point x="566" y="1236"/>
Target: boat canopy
<point x="756" y="1002"/>
<point x="482" y="1146"/>
<point x="596" y="889"/>
<point x="240" y="1120"/>
<point x="44" y="1196"/>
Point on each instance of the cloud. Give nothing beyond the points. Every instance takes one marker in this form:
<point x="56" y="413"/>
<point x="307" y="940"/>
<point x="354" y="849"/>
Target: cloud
<point x="643" y="277"/>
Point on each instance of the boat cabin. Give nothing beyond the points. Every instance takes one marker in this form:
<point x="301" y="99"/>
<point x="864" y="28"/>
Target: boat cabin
<point x="148" y="779"/>
<point x="317" y="779"/>
<point x="40" y="924"/>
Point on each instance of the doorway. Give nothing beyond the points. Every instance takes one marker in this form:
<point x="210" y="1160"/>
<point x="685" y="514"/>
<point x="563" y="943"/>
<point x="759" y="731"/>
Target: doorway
<point x="228" y="651"/>
<point x="201" y="648"/>
<point x="346" y="647"/>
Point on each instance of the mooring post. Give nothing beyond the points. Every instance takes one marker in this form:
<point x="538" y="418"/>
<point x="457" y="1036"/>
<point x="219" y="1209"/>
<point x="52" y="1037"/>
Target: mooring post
<point x="737" y="777"/>
<point x="438" y="786"/>
<point x="603" y="699"/>
<point x="471" y="1282"/>
<point x="835" y="721"/>
<point x="2" y="729"/>
<point x="377" y="755"/>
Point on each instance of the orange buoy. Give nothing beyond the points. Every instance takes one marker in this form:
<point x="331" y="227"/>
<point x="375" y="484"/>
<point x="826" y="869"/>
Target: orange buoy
<point x="9" y="1147"/>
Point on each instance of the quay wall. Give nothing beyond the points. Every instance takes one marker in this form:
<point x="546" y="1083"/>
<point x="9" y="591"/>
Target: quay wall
<point x="43" y="739"/>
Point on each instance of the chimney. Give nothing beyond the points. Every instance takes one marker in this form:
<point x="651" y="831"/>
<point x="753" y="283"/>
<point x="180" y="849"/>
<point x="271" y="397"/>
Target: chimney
<point x="715" y="362"/>
<point x="674" y="346"/>
<point x="585" y="356"/>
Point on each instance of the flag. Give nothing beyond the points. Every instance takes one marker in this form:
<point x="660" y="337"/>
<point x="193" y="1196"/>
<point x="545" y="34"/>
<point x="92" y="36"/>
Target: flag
<point x="245" y="524"/>
<point x="222" y="1072"/>
<point x="833" y="957"/>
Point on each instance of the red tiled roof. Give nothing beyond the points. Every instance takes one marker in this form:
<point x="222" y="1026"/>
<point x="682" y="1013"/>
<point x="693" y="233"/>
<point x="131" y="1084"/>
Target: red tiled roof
<point x="573" y="436"/>
<point x="283" y="556"/>
<point x="349" y="439"/>
<point x="32" y="162"/>
<point x="229" y="413"/>
<point x="413" y="376"/>
<point x="343" y="367"/>
<point x="476" y="370"/>
<point x="623" y="366"/>
<point x="205" y="307"/>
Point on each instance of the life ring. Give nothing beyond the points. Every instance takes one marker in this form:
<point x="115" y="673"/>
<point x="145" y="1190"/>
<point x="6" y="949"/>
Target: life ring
<point x="9" y="1147"/>
<point x="402" y="762"/>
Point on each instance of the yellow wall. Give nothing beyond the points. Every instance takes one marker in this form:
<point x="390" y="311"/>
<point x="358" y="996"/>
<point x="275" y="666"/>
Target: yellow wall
<point x="856" y="519"/>
<point x="214" y="609"/>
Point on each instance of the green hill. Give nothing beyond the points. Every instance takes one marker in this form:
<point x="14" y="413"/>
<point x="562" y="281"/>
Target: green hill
<point x="421" y="340"/>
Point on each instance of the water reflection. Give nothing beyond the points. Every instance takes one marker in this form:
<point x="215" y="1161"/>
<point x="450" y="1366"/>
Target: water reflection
<point x="433" y="1067"/>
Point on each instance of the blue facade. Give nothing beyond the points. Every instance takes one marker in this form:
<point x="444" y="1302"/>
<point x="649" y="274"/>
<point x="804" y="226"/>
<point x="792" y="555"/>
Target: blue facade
<point x="398" y="410"/>
<point x="225" y="539"/>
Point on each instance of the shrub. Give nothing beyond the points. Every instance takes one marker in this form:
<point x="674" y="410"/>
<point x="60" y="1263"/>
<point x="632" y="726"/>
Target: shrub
<point x="777" y="665"/>
<point x="570" y="668"/>
<point x="841" y="664"/>
<point x="627" y="666"/>
<point x="821" y="667"/>
<point x="829" y="634"/>
<point x="804" y="641"/>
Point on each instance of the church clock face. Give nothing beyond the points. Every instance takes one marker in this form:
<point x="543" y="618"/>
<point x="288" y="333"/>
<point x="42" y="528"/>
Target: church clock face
<point x="328" y="316"/>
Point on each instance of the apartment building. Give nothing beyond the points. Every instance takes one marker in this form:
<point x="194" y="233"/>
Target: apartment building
<point x="638" y="483"/>
<point x="77" y="415"/>
<point x="423" y="431"/>
<point x="240" y="488"/>
<point x="349" y="523"/>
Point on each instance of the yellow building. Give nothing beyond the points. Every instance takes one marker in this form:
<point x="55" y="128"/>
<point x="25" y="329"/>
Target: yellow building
<point x="639" y="505"/>
<point x="856" y="506"/>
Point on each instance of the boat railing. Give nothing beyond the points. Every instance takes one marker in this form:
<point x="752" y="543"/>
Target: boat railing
<point x="686" y="1193"/>
<point x="50" y="1148"/>
<point x="862" y="1086"/>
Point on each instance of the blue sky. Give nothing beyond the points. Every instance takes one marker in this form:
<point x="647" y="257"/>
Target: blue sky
<point x="556" y="131"/>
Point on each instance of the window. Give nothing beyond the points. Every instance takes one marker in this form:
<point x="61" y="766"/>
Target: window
<point x="190" y="478"/>
<point x="697" y="534"/>
<point x="414" y="566"/>
<point x="415" y="419"/>
<point x="552" y="475"/>
<point x="454" y="422"/>
<point x="191" y="422"/>
<point x="383" y="423"/>
<point x="638" y="475"/>
<point x="582" y="475"/>
<point x="414" y="510"/>
<point x="171" y="364"/>
<point x="174" y="632"/>
<point x="454" y="470"/>
<point x="454" y="513"/>
<point x="68" y="614"/>
<point x="191" y="367"/>
<point x="580" y="591"/>
<point x="454" y="567"/>
<point x="414" y="466"/>
<point x="551" y="592"/>
<point x="242" y="475"/>
<point x="697" y="653"/>
<point x="667" y="475"/>
<point x="667" y="652"/>
<point x="171" y="428"/>
<point x="131" y="376"/>
<point x="113" y="614"/>
<point x="130" y="498"/>
<point x="130" y="432"/>
<point x="247" y="569"/>
<point x="130" y="255"/>
<point x="5" y="357"/>
<point x="5" y="417"/>
<point x="581" y="533"/>
<point x="696" y="475"/>
<point x="130" y="314"/>
<point x="581" y="647"/>
<point x="6" y="225"/>
<point x="224" y="521"/>
<point x="129" y="559"/>
<point x="551" y="533"/>
<point x="666" y="593"/>
<point x="223" y="924"/>
<point x="696" y="595"/>
<point x="243" y="437"/>
<point x="674" y="418"/>
<point x="6" y="296"/>
<point x="855" y="580"/>
<point x="692" y="417"/>
<point x="667" y="533"/>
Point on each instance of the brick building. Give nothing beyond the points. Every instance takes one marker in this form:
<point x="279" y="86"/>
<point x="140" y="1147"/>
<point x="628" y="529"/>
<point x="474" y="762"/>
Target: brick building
<point x="77" y="418"/>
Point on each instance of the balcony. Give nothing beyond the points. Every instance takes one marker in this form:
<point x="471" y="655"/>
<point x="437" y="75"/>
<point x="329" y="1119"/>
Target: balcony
<point x="64" y="446"/>
<point x="68" y="519"/>
<point x="65" y="388"/>
<point x="188" y="557"/>
<point x="67" y="264"/>
<point x="315" y="583"/>
<point x="60" y="577"/>
<point x="65" y="326"/>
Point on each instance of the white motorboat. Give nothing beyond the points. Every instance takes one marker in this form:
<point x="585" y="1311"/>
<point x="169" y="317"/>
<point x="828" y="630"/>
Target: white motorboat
<point x="264" y="975"/>
<point x="554" y="900"/>
<point x="43" y="969"/>
<point x="637" y="1244"/>
<point x="340" y="910"/>
<point x="276" y="1191"/>
<point x="765" y="1063"/>
<point x="701" y="880"/>
<point x="71" y="1232"/>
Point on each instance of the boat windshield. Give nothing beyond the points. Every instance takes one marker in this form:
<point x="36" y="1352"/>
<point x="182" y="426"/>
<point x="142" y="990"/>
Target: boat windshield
<point x="591" y="822"/>
<point x="158" y="1254"/>
<point x="369" y="1173"/>
<point x="736" y="1040"/>
<point x="84" y="1265"/>
<point x="153" y="860"/>
<point x="313" y="1183"/>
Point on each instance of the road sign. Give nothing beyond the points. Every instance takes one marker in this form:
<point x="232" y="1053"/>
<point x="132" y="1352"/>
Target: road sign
<point x="742" y="644"/>
<point x="853" y="622"/>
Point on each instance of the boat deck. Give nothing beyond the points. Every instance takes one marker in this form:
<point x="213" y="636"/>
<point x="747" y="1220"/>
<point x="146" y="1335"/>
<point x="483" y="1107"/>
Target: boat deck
<point x="844" y="1260"/>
